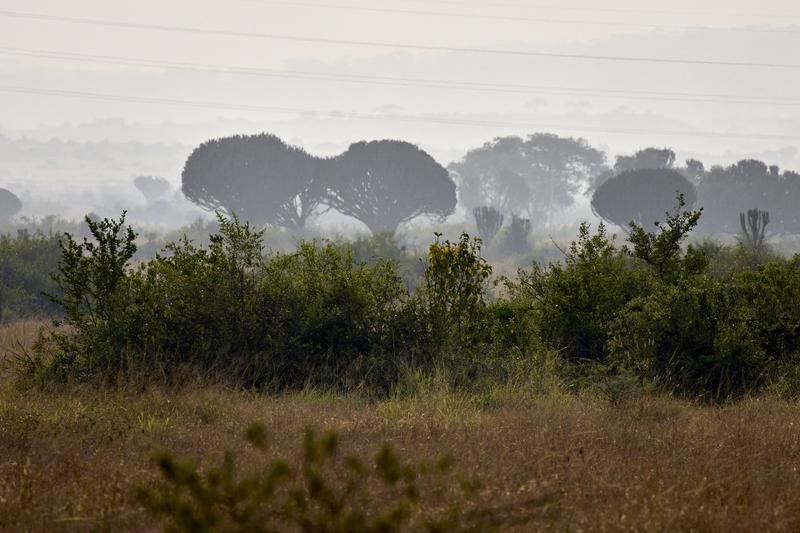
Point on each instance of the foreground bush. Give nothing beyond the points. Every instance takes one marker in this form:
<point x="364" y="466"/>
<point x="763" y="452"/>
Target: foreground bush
<point x="324" y="492"/>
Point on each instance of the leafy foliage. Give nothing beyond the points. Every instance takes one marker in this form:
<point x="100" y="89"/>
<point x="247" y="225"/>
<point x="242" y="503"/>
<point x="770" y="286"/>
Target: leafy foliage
<point x="27" y="263"/>
<point x="281" y="320"/>
<point x="575" y="302"/>
<point x="710" y="338"/>
<point x="662" y="249"/>
<point x="703" y="320"/>
<point x="324" y="492"/>
<point x="94" y="293"/>
<point x="455" y="283"/>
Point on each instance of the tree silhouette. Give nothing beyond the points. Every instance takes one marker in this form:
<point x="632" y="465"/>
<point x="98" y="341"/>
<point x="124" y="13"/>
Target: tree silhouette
<point x="516" y="236"/>
<point x="647" y="158"/>
<point x="489" y="221"/>
<point x="385" y="183"/>
<point x="694" y="169"/>
<point x="10" y="204"/>
<point x="754" y="228"/>
<point x="725" y="192"/>
<point x="641" y="196"/>
<point x="536" y="176"/>
<point x="153" y="188"/>
<point x="258" y="177"/>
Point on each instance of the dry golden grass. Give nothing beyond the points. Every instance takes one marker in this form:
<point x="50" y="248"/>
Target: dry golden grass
<point x="15" y="338"/>
<point x="19" y="334"/>
<point x="71" y="458"/>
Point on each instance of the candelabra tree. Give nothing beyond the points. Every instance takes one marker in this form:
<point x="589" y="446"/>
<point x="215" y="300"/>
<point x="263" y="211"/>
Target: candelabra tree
<point x="754" y="225"/>
<point x="489" y="221"/>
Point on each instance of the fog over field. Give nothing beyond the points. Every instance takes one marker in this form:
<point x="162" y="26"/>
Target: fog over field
<point x="399" y="265"/>
<point x="95" y="93"/>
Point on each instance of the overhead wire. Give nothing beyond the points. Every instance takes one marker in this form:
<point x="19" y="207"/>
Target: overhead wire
<point x="648" y="11"/>
<point x="383" y="117"/>
<point x="404" y="81"/>
<point x="511" y="18"/>
<point x="391" y="45"/>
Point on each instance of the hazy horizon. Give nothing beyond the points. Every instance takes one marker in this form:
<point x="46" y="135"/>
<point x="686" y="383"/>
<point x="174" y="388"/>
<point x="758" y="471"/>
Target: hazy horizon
<point x="325" y="95"/>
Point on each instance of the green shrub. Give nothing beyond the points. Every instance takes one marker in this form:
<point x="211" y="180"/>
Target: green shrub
<point x="725" y="260"/>
<point x="383" y="246"/>
<point x="714" y="338"/>
<point x="325" y="492"/>
<point x="662" y="250"/>
<point x="27" y="263"/>
<point x="700" y="320"/>
<point x="575" y="302"/>
<point x="327" y="317"/>
<point x="200" y="306"/>
<point x="770" y="295"/>
<point x="95" y="295"/>
<point x="312" y="316"/>
<point x="685" y="339"/>
<point x="454" y="289"/>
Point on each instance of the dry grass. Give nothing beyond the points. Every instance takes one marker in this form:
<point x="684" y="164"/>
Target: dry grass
<point x="70" y="458"/>
<point x="19" y="335"/>
<point x="15" y="339"/>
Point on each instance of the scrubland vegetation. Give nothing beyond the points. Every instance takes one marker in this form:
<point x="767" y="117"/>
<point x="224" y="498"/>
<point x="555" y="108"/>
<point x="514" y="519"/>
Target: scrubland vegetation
<point x="702" y="321"/>
<point x="648" y="384"/>
<point x="534" y="455"/>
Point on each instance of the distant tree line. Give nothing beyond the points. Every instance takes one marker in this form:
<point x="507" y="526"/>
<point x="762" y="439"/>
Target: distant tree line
<point x="263" y="180"/>
<point x="641" y="188"/>
<point x="510" y="185"/>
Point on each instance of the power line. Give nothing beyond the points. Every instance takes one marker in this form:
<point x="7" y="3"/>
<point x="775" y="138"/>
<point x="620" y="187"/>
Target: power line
<point x="378" y="117"/>
<point x="408" y="82"/>
<point x="398" y="46"/>
<point x="515" y="18"/>
<point x="560" y="7"/>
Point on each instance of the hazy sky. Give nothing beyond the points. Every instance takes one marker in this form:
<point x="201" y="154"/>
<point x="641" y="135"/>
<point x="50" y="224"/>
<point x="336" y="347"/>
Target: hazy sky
<point x="441" y="22"/>
<point x="559" y="94"/>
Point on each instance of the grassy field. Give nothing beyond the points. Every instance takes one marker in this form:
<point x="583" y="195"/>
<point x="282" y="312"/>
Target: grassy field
<point x="71" y="459"/>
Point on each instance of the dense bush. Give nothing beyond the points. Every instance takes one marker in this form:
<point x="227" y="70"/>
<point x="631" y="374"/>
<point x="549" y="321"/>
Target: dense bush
<point x="27" y="262"/>
<point x="708" y="336"/>
<point x="575" y="301"/>
<point x="715" y="338"/>
<point x="383" y="246"/>
<point x="702" y="320"/>
<point x="314" y="315"/>
<point x="454" y="287"/>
